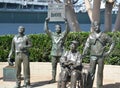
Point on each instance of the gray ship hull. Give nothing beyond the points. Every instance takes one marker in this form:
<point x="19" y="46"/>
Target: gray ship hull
<point x="19" y="16"/>
<point x="22" y="16"/>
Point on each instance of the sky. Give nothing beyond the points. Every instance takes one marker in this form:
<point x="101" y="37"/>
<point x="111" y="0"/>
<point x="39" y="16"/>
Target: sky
<point x="77" y="9"/>
<point x="103" y="0"/>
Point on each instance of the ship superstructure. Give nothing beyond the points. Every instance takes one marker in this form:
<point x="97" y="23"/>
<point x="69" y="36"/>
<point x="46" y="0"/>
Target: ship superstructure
<point x="35" y="11"/>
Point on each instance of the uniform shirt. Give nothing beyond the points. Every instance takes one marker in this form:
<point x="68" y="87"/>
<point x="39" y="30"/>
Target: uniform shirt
<point x="97" y="43"/>
<point x="75" y="58"/>
<point x="57" y="42"/>
<point x="20" y="43"/>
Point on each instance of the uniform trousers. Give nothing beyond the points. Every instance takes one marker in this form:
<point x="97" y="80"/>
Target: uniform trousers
<point x="94" y="60"/>
<point x="19" y="58"/>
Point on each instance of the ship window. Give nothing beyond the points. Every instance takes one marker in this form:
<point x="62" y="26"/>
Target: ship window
<point x="12" y="6"/>
<point x="2" y="5"/>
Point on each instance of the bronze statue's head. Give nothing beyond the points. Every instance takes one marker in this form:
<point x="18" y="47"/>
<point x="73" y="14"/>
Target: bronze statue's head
<point x="96" y="26"/>
<point x="21" y="29"/>
<point x="74" y="45"/>
<point x="111" y="1"/>
<point x="58" y="28"/>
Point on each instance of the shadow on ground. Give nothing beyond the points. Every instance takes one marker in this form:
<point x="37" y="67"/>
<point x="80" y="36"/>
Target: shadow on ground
<point x="1" y="78"/>
<point x="116" y="85"/>
<point x="41" y="83"/>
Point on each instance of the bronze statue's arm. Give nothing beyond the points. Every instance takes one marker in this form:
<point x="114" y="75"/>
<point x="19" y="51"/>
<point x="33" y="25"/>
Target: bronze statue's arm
<point x="78" y="62"/>
<point x="46" y="28"/>
<point x="58" y="1"/>
<point x="112" y="42"/>
<point x="11" y="52"/>
<point x="28" y="43"/>
<point x="87" y="45"/>
<point x="111" y="47"/>
<point x="67" y="29"/>
<point x="12" y="49"/>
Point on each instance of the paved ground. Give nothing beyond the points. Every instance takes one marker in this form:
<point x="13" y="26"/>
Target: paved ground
<point x="41" y="74"/>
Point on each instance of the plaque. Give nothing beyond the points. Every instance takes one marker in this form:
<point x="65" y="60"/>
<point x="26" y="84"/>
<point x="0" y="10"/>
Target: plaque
<point x="56" y="12"/>
<point x="9" y="73"/>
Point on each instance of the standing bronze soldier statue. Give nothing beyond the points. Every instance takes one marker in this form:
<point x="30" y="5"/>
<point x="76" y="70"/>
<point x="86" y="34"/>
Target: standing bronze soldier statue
<point x="58" y="39"/>
<point x="71" y="67"/>
<point x="97" y="43"/>
<point x="20" y="44"/>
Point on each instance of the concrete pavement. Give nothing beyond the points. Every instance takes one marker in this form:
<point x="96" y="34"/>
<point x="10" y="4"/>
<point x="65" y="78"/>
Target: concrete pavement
<point x="41" y="74"/>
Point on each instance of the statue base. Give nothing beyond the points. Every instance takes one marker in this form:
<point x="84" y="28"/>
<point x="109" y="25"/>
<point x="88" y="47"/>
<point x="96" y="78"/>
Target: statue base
<point x="9" y="73"/>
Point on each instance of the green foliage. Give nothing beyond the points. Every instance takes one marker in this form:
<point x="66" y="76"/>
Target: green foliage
<point x="40" y="50"/>
<point x="41" y="47"/>
<point x="5" y="43"/>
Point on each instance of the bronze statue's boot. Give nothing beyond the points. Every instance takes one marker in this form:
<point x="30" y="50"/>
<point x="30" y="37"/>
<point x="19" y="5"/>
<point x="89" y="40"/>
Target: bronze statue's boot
<point x="99" y="86"/>
<point x="27" y="84"/>
<point x="52" y="81"/>
<point x="53" y="78"/>
<point x="63" y="84"/>
<point x="17" y="85"/>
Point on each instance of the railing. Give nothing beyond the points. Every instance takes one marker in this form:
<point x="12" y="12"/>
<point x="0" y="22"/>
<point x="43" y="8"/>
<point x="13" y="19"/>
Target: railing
<point x="25" y="2"/>
<point x="21" y="5"/>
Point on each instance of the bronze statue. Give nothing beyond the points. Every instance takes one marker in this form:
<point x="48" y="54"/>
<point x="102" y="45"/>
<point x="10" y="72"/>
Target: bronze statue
<point x="20" y="44"/>
<point x="58" y="39"/>
<point x="96" y="43"/>
<point x="71" y="63"/>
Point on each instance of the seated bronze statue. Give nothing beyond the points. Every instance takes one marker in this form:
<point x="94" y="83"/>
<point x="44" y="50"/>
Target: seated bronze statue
<point x="71" y="67"/>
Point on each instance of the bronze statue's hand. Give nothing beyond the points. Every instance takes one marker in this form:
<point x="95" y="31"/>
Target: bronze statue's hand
<point x="9" y="62"/>
<point x="65" y="63"/>
<point x="71" y="67"/>
<point x="47" y="19"/>
<point x="70" y="63"/>
<point x="74" y="65"/>
<point x="106" y="54"/>
<point x="83" y="56"/>
<point x="65" y="20"/>
<point x="21" y="47"/>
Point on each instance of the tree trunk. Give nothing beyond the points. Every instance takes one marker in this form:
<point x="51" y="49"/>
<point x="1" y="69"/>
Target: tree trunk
<point x="93" y="13"/>
<point x="71" y="16"/>
<point x="108" y="16"/>
<point x="89" y="11"/>
<point x="96" y="10"/>
<point x="117" y="22"/>
<point x="58" y="1"/>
